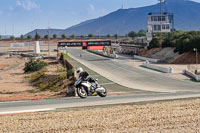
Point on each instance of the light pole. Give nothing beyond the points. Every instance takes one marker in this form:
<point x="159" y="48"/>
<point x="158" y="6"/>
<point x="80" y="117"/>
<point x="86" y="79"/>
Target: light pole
<point x="196" y="50"/>
<point x="48" y="41"/>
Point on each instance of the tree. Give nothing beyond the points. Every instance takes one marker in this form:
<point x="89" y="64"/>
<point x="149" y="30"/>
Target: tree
<point x="22" y="37"/>
<point x="132" y="34"/>
<point x="155" y="43"/>
<point x="141" y="33"/>
<point x="108" y="36"/>
<point x="55" y="36"/>
<point x="116" y="36"/>
<point x="0" y="36"/>
<point x="37" y="36"/>
<point x="82" y="36"/>
<point x="90" y="35"/>
<point x="29" y="37"/>
<point x="46" y="36"/>
<point x="12" y="37"/>
<point x="64" y="36"/>
<point x="73" y="36"/>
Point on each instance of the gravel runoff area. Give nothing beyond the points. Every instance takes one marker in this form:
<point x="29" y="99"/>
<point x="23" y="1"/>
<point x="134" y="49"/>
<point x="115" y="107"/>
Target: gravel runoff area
<point x="182" y="116"/>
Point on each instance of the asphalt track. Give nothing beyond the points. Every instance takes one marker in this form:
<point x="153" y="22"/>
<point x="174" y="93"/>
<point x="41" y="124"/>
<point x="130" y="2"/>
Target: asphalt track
<point x="116" y="71"/>
<point x="132" y="77"/>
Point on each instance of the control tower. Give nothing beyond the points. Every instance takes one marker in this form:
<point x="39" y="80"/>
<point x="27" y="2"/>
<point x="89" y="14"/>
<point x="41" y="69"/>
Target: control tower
<point x="162" y="22"/>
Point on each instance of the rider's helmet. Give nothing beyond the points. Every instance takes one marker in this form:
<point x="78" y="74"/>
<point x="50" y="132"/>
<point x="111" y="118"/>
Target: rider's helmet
<point x="79" y="70"/>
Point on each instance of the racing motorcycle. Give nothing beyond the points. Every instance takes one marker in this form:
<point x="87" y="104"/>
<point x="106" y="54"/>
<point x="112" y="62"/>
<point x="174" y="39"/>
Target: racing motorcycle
<point x="86" y="88"/>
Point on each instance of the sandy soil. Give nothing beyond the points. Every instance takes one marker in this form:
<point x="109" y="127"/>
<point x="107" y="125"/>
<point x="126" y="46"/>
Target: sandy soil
<point x="14" y="85"/>
<point x="166" y="117"/>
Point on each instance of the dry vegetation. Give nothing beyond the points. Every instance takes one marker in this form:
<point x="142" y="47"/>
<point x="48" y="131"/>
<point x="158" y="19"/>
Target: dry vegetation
<point x="168" y="117"/>
<point x="17" y="85"/>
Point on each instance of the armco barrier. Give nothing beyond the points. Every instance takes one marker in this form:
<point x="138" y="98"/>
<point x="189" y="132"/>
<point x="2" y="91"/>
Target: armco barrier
<point x="99" y="53"/>
<point x="158" y="68"/>
<point x="191" y="74"/>
<point x="146" y="59"/>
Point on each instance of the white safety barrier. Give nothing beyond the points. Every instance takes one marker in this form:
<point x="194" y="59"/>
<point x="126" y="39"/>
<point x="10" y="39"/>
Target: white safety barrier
<point x="17" y="45"/>
<point x="146" y="59"/>
<point x="191" y="74"/>
<point x="158" y="68"/>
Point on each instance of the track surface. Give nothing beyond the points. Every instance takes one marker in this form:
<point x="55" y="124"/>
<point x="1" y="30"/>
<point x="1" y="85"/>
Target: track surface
<point x="132" y="77"/>
<point x="118" y="72"/>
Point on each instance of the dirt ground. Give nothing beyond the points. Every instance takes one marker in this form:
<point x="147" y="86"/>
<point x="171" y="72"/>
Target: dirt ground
<point x="13" y="82"/>
<point x="181" y="116"/>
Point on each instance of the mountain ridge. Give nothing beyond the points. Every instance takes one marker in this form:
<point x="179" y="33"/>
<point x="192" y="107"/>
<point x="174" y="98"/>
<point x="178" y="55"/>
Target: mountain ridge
<point x="122" y="21"/>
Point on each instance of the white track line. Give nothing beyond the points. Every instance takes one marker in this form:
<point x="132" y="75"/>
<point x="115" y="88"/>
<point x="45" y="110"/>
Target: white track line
<point x="26" y="111"/>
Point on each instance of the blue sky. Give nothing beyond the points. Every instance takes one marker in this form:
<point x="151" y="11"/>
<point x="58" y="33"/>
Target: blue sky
<point x="21" y="16"/>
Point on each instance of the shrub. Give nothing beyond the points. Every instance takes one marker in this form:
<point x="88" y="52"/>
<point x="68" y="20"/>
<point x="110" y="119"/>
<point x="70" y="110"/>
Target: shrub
<point x="70" y="73"/>
<point x="34" y="65"/>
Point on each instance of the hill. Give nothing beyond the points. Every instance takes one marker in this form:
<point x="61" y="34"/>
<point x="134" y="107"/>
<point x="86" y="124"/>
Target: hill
<point x="122" y="21"/>
<point x="44" y="32"/>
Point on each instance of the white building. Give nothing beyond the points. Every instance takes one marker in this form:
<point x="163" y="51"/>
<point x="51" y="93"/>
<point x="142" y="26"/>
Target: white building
<point x="162" y="23"/>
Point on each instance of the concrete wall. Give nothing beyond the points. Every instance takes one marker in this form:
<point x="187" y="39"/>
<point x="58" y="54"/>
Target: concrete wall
<point x="146" y="59"/>
<point x="191" y="74"/>
<point x="157" y="68"/>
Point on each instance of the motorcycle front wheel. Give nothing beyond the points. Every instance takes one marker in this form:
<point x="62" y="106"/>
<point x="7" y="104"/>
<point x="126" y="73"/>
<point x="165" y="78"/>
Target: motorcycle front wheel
<point x="103" y="94"/>
<point x="82" y="93"/>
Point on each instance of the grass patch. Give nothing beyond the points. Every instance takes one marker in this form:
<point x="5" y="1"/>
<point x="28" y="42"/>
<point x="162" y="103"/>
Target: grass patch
<point x="51" y="85"/>
<point x="7" y="92"/>
<point x="38" y="75"/>
<point x="66" y="56"/>
<point x="61" y="70"/>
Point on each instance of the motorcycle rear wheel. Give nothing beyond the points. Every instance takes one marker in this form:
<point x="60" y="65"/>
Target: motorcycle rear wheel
<point x="82" y="93"/>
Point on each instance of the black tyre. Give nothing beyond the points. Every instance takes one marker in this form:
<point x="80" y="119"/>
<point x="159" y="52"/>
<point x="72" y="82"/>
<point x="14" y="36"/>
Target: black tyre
<point x="103" y="94"/>
<point x="82" y="93"/>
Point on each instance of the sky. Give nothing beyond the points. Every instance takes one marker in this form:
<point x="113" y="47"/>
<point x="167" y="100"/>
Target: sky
<point x="21" y="16"/>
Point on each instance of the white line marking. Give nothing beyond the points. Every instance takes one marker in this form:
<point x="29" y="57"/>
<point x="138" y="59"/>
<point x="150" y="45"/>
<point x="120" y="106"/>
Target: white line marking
<point x="26" y="111"/>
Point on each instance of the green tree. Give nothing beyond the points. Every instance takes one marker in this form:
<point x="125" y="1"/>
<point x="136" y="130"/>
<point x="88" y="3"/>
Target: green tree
<point x="108" y="36"/>
<point x="116" y="36"/>
<point x="0" y="37"/>
<point x="37" y="36"/>
<point x="82" y="36"/>
<point x="90" y="35"/>
<point x="155" y="43"/>
<point x="55" y="36"/>
<point x="73" y="36"/>
<point x="22" y="37"/>
<point x="29" y="37"/>
<point x="64" y="36"/>
<point x="12" y="37"/>
<point x="141" y="33"/>
<point x="132" y="34"/>
<point x="46" y="37"/>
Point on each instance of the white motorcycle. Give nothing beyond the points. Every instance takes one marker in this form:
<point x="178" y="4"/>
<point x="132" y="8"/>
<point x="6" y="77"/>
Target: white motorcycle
<point x="85" y="88"/>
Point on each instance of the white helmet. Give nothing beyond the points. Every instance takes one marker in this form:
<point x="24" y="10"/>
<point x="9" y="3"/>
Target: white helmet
<point x="79" y="70"/>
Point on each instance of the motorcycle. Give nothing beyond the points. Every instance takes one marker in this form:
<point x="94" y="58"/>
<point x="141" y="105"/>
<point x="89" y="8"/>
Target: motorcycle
<point x="85" y="88"/>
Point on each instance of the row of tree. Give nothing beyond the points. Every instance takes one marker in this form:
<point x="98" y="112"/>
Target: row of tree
<point x="183" y="41"/>
<point x="131" y="34"/>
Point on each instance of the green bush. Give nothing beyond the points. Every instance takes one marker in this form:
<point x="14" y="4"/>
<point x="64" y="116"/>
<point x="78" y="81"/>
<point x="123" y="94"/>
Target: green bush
<point x="70" y="73"/>
<point x="34" y="65"/>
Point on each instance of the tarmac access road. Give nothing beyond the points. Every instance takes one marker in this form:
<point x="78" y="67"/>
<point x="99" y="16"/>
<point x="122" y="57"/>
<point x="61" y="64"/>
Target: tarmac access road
<point x="53" y="104"/>
<point x="130" y="76"/>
